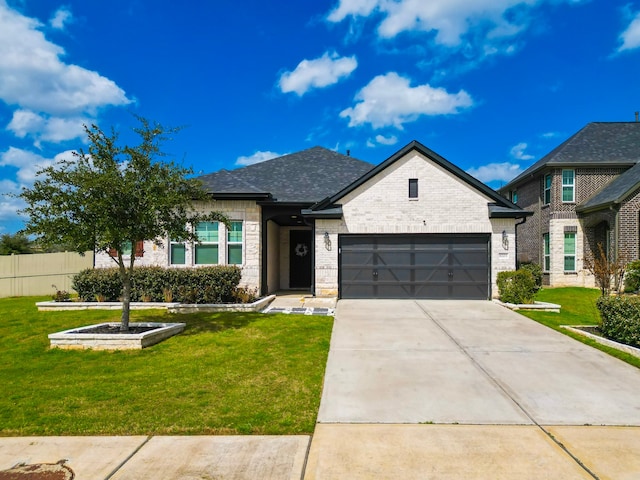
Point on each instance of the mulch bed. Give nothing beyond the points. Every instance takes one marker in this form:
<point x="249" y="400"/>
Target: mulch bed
<point x="114" y="329"/>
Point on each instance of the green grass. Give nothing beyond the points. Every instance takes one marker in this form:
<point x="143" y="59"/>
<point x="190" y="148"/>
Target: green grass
<point x="578" y="308"/>
<point x="227" y="373"/>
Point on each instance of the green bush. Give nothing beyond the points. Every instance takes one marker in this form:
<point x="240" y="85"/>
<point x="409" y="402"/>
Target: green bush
<point x="620" y="319"/>
<point x="217" y="284"/>
<point x="536" y="271"/>
<point x="632" y="277"/>
<point x="516" y="286"/>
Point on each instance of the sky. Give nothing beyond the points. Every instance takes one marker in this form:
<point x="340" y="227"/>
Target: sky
<point x="490" y="85"/>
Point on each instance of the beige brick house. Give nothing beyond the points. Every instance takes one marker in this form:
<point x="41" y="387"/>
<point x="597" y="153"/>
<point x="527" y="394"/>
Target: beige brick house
<point x="414" y="226"/>
<point x="583" y="193"/>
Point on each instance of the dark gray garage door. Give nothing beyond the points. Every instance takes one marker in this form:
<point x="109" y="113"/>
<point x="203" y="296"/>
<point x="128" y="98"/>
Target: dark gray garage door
<point x="414" y="266"/>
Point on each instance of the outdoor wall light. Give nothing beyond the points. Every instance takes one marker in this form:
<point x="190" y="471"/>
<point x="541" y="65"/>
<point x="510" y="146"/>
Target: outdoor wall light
<point x="327" y="241"/>
<point x="505" y="240"/>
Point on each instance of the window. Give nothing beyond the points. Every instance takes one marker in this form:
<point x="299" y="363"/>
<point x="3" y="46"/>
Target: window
<point x="568" y="185"/>
<point x="547" y="189"/>
<point x="413" y="188"/>
<point x="547" y="252"/>
<point x="514" y="196"/>
<point x="177" y="253"/>
<point x="569" y="252"/>
<point x="207" y="249"/>
<point x="234" y="244"/>
<point x="127" y="249"/>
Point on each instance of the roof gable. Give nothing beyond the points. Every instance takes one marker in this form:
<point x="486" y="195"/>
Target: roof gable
<point x="598" y="144"/>
<point x="307" y="176"/>
<point x="497" y="200"/>
<point x="614" y="192"/>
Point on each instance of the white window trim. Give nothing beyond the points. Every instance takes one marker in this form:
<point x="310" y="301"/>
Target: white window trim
<point x="572" y="185"/>
<point x="195" y="246"/>
<point x="574" y="254"/>
<point x="546" y="239"/>
<point x="228" y="243"/>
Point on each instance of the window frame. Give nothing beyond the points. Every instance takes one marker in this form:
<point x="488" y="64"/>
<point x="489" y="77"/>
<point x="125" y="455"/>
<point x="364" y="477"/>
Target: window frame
<point x="413" y="192"/>
<point x="207" y="243"/>
<point x="173" y="243"/>
<point x="569" y="186"/>
<point x="235" y="243"/>
<point x="546" y="252"/>
<point x="569" y="255"/>
<point x="546" y="192"/>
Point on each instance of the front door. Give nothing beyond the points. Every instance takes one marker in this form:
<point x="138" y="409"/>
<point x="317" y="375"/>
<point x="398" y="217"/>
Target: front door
<point x="300" y="259"/>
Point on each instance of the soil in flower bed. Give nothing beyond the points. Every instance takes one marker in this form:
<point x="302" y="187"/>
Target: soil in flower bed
<point x="115" y="329"/>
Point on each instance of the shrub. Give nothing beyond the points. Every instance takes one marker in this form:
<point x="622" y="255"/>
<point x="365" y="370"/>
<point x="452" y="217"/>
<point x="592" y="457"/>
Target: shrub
<point x="536" y="271"/>
<point x="632" y="277"/>
<point x="620" y="319"/>
<point x="516" y="286"/>
<point x="217" y="284"/>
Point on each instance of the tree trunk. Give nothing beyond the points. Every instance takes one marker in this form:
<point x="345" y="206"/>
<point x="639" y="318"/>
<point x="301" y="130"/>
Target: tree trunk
<point x="125" y="276"/>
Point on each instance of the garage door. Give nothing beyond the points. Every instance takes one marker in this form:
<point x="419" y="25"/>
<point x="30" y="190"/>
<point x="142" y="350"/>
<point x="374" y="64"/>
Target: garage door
<point x="414" y="266"/>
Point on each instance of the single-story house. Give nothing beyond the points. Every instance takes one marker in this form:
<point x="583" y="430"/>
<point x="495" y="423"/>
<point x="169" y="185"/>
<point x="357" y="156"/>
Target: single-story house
<point x="414" y="226"/>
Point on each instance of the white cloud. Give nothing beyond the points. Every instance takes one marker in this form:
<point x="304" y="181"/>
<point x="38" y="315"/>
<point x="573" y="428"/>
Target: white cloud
<point x="61" y="18"/>
<point x="32" y="75"/>
<point x="257" y="157"/>
<point x="517" y="152"/>
<point x="27" y="163"/>
<point x="390" y="100"/>
<point x="42" y="128"/>
<point x="495" y="172"/>
<point x="630" y="38"/>
<point x="382" y="140"/>
<point x="9" y="205"/>
<point x="483" y="27"/>
<point x="317" y="73"/>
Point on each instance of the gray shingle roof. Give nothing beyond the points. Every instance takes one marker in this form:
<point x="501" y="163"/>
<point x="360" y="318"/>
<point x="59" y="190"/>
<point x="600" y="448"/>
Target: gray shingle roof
<point x="303" y="177"/>
<point x="615" y="191"/>
<point x="597" y="144"/>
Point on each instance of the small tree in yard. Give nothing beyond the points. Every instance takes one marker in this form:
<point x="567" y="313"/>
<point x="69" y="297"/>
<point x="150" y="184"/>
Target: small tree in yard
<point x="113" y="197"/>
<point x="606" y="270"/>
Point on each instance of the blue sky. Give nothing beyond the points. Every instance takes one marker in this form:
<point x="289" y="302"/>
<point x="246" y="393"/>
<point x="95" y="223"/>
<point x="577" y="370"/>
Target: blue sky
<point x="491" y="85"/>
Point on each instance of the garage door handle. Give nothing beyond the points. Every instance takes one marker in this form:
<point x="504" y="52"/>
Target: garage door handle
<point x="375" y="273"/>
<point x="451" y="274"/>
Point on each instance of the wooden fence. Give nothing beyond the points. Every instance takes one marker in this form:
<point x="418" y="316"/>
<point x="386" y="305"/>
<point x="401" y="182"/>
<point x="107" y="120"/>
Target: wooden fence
<point x="34" y="274"/>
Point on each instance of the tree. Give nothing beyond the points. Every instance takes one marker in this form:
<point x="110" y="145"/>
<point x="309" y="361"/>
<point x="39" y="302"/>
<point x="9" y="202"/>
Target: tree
<point x="10" y="244"/>
<point x="114" y="196"/>
<point x="605" y="268"/>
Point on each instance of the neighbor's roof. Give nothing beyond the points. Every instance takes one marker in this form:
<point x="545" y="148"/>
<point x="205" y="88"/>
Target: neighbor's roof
<point x="597" y="144"/>
<point x="614" y="192"/>
<point x="303" y="177"/>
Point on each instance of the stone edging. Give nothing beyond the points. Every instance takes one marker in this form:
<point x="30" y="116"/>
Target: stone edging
<point x="538" y="306"/>
<point x="603" y="341"/>
<point x="174" y="307"/>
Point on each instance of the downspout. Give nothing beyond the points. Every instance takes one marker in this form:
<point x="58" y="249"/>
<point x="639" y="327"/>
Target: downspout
<point x="263" y="260"/>
<point x="524" y="220"/>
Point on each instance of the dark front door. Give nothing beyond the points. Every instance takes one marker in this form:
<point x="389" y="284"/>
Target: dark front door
<point x="300" y="259"/>
<point x="414" y="266"/>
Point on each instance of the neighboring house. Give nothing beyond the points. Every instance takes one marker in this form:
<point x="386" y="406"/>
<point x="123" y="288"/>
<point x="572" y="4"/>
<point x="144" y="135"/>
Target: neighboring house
<point x="584" y="193"/>
<point x="415" y="226"/>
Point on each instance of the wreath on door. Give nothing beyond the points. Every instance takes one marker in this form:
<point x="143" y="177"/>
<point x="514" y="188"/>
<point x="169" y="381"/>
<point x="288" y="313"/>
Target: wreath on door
<point x="301" y="249"/>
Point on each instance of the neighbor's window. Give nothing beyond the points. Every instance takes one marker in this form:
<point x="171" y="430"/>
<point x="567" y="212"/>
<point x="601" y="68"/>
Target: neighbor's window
<point x="234" y="244"/>
<point x="413" y="188"/>
<point x="569" y="252"/>
<point x="547" y="189"/>
<point x="547" y="252"/>
<point x="177" y="253"/>
<point x="126" y="249"/>
<point x="207" y="249"/>
<point x="568" y="185"/>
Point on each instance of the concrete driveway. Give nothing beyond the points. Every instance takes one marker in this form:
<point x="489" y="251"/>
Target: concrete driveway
<point x="469" y="390"/>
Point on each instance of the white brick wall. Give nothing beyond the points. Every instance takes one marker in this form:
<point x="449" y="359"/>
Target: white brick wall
<point x="557" y="276"/>
<point x="247" y="211"/>
<point x="381" y="205"/>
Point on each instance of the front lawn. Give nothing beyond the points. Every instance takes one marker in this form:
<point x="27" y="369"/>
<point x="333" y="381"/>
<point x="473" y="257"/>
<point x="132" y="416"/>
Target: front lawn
<point x="578" y="308"/>
<point x="227" y="373"/>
